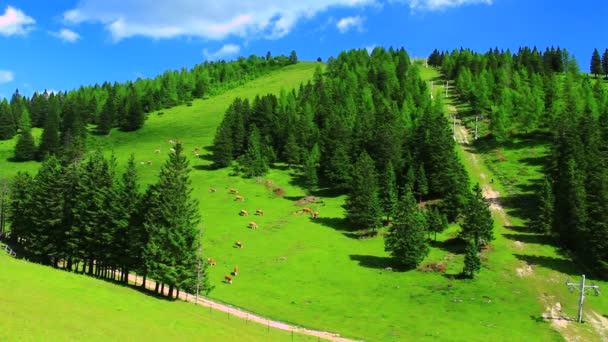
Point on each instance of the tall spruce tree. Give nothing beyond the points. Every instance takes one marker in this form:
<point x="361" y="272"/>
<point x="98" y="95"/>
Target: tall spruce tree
<point x="254" y="162"/>
<point x="478" y="223"/>
<point x="49" y="145"/>
<point x="25" y="149"/>
<point x="605" y="62"/>
<point x="129" y="239"/>
<point x="406" y="241"/>
<point x="389" y="197"/>
<point x="596" y="64"/>
<point x="437" y="221"/>
<point x="543" y="221"/>
<point x="172" y="220"/>
<point x="7" y="125"/>
<point x="472" y="261"/>
<point x="363" y="205"/>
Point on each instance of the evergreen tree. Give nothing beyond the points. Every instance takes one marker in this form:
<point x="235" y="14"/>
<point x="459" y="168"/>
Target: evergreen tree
<point x="293" y="58"/>
<point x="388" y="192"/>
<point x="172" y="219"/>
<point x="422" y="186"/>
<point x="309" y="169"/>
<point x="437" y="221"/>
<point x="605" y="62"/>
<point x="223" y="145"/>
<point x="20" y="215"/>
<point x="25" y="149"/>
<point x="129" y="239"/>
<point x="50" y="136"/>
<point x="596" y="64"/>
<point x="406" y="240"/>
<point x="7" y="125"/>
<point x="106" y="117"/>
<point x="254" y="162"/>
<point x="543" y="221"/>
<point x="478" y="223"/>
<point x="362" y="205"/>
<point x="25" y="123"/>
<point x="472" y="261"/>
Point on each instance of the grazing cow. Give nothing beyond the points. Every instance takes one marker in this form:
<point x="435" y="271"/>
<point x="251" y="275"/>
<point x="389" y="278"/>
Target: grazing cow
<point x="239" y="198"/>
<point x="142" y="163"/>
<point x="259" y="212"/>
<point x="243" y="212"/>
<point x="315" y="214"/>
<point x="239" y="244"/>
<point x="307" y="210"/>
<point x="197" y="155"/>
<point x="149" y="162"/>
<point x="171" y="141"/>
<point x="228" y="279"/>
<point x="172" y="150"/>
<point x="212" y="190"/>
<point x="236" y="270"/>
<point x="157" y="150"/>
<point x="197" y="148"/>
<point x="211" y="261"/>
<point x="253" y="225"/>
<point x="234" y="191"/>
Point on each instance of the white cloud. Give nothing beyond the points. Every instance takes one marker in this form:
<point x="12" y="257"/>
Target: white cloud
<point x="434" y="5"/>
<point x="347" y="23"/>
<point x="66" y="35"/>
<point x="205" y="18"/>
<point x="224" y="51"/>
<point x="6" y="76"/>
<point x="14" y="22"/>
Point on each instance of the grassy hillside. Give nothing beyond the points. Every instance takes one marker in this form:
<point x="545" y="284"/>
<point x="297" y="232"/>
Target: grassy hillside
<point x="317" y="273"/>
<point x="39" y="303"/>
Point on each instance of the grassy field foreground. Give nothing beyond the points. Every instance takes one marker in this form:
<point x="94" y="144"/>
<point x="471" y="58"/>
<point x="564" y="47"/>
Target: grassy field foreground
<point x="42" y="304"/>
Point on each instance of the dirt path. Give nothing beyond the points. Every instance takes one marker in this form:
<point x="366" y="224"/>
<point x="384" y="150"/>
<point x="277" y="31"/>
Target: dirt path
<point x="246" y="315"/>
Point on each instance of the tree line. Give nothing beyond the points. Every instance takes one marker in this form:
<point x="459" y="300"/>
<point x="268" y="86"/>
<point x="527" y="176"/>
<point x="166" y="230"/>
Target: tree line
<point x="367" y="127"/>
<point x="64" y="116"/>
<point x="572" y="110"/>
<point x="81" y="216"/>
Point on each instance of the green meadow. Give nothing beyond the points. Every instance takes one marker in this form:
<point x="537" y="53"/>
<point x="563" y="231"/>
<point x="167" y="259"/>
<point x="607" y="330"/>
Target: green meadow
<point x="313" y="273"/>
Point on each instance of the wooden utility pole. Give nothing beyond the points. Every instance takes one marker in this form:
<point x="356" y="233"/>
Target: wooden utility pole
<point x="582" y="287"/>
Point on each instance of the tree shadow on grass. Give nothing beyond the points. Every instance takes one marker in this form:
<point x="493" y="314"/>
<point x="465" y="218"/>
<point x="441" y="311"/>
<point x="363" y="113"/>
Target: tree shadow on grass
<point x="453" y="245"/>
<point x="372" y="261"/>
<point x="520" y="205"/>
<point x="207" y="167"/>
<point x="561" y="265"/>
<point x="530" y="238"/>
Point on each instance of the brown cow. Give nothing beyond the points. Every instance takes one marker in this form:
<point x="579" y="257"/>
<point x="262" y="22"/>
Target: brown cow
<point x="228" y="279"/>
<point x="236" y="270"/>
<point x="197" y="148"/>
<point x="239" y="244"/>
<point x="149" y="162"/>
<point x="253" y="225"/>
<point x="259" y="212"/>
<point x="239" y="198"/>
<point x="243" y="212"/>
<point x="157" y="150"/>
<point x="211" y="261"/>
<point x="234" y="191"/>
<point x="307" y="210"/>
<point x="212" y="190"/>
<point x="315" y="214"/>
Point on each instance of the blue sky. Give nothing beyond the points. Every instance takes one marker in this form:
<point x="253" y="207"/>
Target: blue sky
<point x="62" y="44"/>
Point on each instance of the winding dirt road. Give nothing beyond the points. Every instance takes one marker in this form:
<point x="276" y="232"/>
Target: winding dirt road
<point x="246" y="315"/>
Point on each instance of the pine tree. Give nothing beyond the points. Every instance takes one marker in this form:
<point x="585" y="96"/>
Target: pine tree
<point x="25" y="149"/>
<point x="422" y="186"/>
<point x="478" y="223"/>
<point x="171" y="220"/>
<point x="362" y="205"/>
<point x="406" y="241"/>
<point x="437" y="221"/>
<point x="605" y="62"/>
<point x="543" y="221"/>
<point x="388" y="192"/>
<point x="20" y="215"/>
<point x="106" y="117"/>
<point x="310" y="169"/>
<point x="129" y="239"/>
<point x="223" y="145"/>
<point x="50" y="136"/>
<point x="472" y="261"/>
<point x="293" y="58"/>
<point x="25" y="123"/>
<point x="254" y="162"/>
<point x="596" y="64"/>
<point x="7" y="125"/>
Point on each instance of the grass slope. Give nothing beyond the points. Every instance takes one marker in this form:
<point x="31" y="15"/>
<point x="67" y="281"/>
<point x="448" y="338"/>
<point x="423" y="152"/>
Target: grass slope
<point x="40" y="303"/>
<point x="316" y="272"/>
<point x="516" y="168"/>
